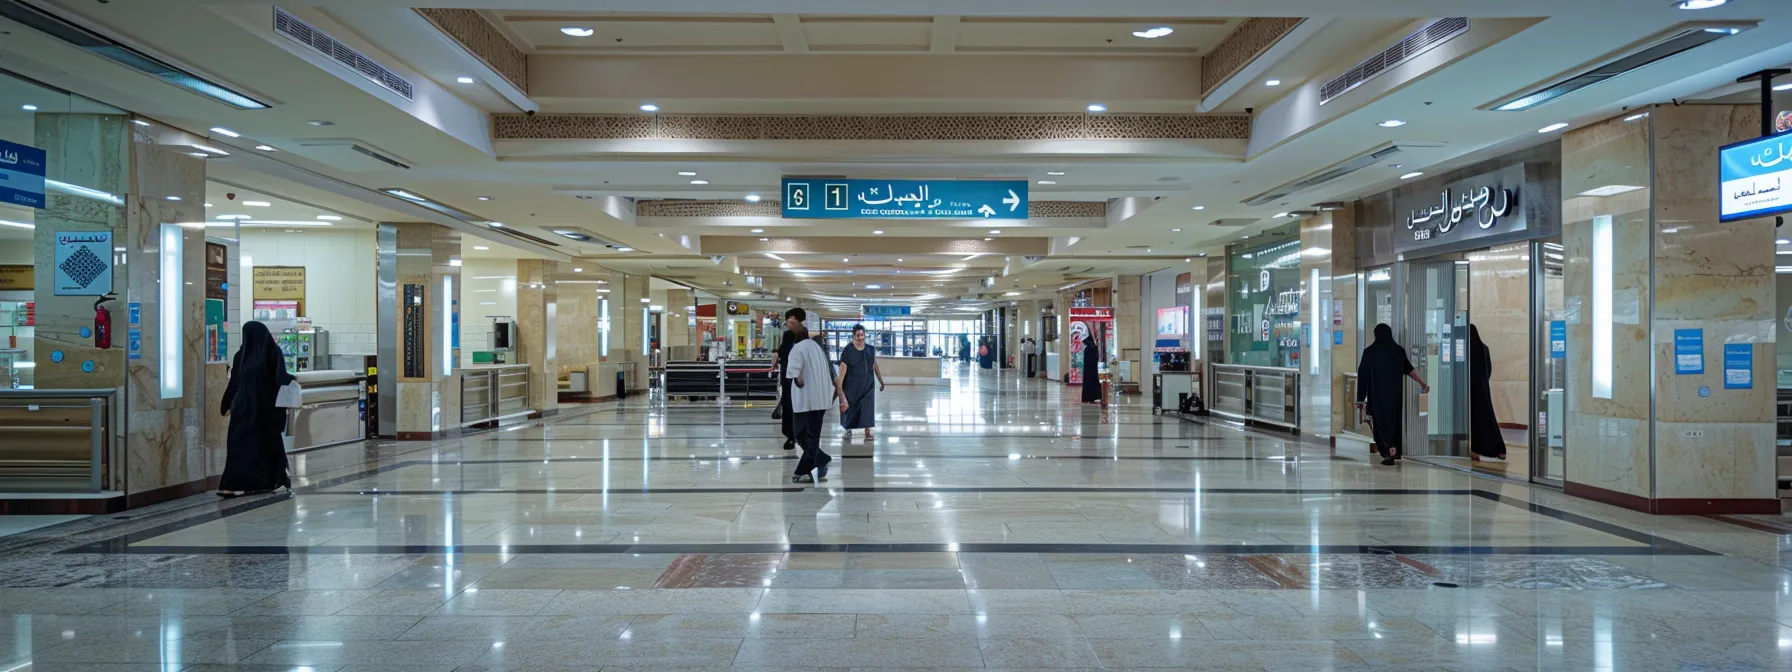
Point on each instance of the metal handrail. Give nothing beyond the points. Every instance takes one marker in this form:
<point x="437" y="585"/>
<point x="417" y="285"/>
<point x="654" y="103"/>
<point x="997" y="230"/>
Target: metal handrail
<point x="1239" y="397"/>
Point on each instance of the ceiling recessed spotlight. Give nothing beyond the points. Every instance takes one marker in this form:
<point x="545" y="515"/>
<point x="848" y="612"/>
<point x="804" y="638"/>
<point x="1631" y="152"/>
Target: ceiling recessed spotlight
<point x="649" y="107"/>
<point x="464" y="80"/>
<point x="1411" y="175"/>
<point x="578" y="270"/>
<point x="265" y="148"/>
<point x="1153" y="33"/>
<point x="1280" y="215"/>
<point x="995" y="232"/>
<point x="481" y="248"/>
<point x="1054" y="173"/>
<point x="208" y="205"/>
<point x="1552" y="128"/>
<point x="1047" y="182"/>
<point x="1391" y="123"/>
<point x="1700" y="4"/>
<point x="578" y="31"/>
<point x="1175" y="230"/>
<point x="220" y="130"/>
<point x="752" y="198"/>
<point x="1273" y="82"/>
<point x="758" y="230"/>
<point x="765" y="240"/>
<point x="687" y="173"/>
<point x="330" y="218"/>
<point x="625" y="249"/>
<point x="877" y="232"/>
<point x="699" y="181"/>
<point x="1782" y="241"/>
<point x="173" y="198"/>
<point x="28" y="108"/>
<point x="988" y="239"/>
<point x="1393" y="165"/>
<point x="1199" y="207"/>
<point x="139" y="122"/>
<point x="485" y="198"/>
<point x="258" y="204"/>
<point x="321" y="122"/>
<point x="1096" y="108"/>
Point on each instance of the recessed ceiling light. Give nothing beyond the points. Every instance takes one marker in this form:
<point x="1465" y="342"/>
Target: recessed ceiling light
<point x="1273" y="82"/>
<point x="329" y="218"/>
<point x="1199" y="207"/>
<point x="1280" y="215"/>
<point x="758" y="230"/>
<point x="321" y="122"/>
<point x="173" y="198"/>
<point x="139" y="122"/>
<point x="1783" y="87"/>
<point x="1782" y="241"/>
<point x="649" y="107"/>
<point x="752" y="198"/>
<point x="625" y="249"/>
<point x="995" y="232"/>
<point x="578" y="31"/>
<point x="699" y="181"/>
<point x="877" y="232"/>
<point x="464" y="80"/>
<point x="874" y="286"/>
<point x="1552" y="128"/>
<point x="1391" y="123"/>
<point x="1700" y="4"/>
<point x="495" y="225"/>
<point x="1411" y="175"/>
<point x="846" y="261"/>
<point x="481" y="248"/>
<point x="265" y="148"/>
<point x="220" y="130"/>
<point x="764" y="240"/>
<point x="208" y="205"/>
<point x="578" y="270"/>
<point x="1153" y="33"/>
<point x="29" y="108"/>
<point x="1047" y="182"/>
<point x="1054" y="173"/>
<point x="1175" y="230"/>
<point x="687" y="173"/>
<point x="258" y="204"/>
<point x="485" y="198"/>
<point x="1096" y="108"/>
<point x="988" y="239"/>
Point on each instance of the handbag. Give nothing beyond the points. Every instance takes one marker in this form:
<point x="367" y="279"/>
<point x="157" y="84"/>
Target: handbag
<point x="289" y="396"/>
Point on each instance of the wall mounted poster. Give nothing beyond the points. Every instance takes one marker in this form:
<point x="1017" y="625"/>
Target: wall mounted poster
<point x="83" y="263"/>
<point x="413" y="333"/>
<point x="217" y="336"/>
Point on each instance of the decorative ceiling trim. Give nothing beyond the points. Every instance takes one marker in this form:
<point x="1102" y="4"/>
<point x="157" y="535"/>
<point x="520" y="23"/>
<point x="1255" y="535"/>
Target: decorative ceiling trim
<point x="1247" y="42"/>
<point x="874" y="127"/>
<point x="483" y="40"/>
<point x="769" y="208"/>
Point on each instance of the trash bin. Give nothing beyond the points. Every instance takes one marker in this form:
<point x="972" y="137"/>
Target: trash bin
<point x="621" y="384"/>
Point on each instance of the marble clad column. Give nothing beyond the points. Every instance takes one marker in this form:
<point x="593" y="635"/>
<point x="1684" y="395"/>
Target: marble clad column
<point x="630" y="347"/>
<point x="678" y="326"/>
<point x="1345" y="280"/>
<point x="428" y="404"/>
<point x="536" y="326"/>
<point x="1328" y="252"/>
<point x="1657" y="444"/>
<point x="165" y="449"/>
<point x="1127" y="306"/>
<point x="578" y="302"/>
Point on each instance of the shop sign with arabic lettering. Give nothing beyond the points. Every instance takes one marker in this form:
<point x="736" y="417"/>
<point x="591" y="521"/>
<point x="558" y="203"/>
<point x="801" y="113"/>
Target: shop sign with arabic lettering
<point x="839" y="198"/>
<point x="1478" y="207"/>
<point x="21" y="175"/>
<point x="1756" y="178"/>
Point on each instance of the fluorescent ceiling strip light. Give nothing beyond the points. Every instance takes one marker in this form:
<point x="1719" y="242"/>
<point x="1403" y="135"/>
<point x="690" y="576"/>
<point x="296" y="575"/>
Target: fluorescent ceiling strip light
<point x="83" y="192"/>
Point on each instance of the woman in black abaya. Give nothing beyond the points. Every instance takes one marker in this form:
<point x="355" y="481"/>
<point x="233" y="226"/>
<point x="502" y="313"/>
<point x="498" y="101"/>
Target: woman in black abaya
<point x="1485" y="438"/>
<point x="255" y="460"/>
<point x="1380" y="390"/>
<point x="1091" y="369"/>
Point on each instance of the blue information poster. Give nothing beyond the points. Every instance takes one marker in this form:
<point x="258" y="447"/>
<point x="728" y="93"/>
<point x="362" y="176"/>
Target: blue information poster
<point x="1558" y="339"/>
<point x="1739" y="366"/>
<point x="841" y="198"/>
<point x="22" y="175"/>
<point x="884" y="311"/>
<point x="1689" y="352"/>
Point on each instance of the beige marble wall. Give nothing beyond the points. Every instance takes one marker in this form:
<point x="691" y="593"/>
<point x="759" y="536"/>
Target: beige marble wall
<point x="631" y="347"/>
<point x="677" y="329"/>
<point x="429" y="405"/>
<point x="1127" y="323"/>
<point x="1316" y="258"/>
<point x="1677" y="268"/>
<point x="1718" y="277"/>
<point x="537" y="326"/>
<point x="1500" y="305"/>
<point x="578" y="304"/>
<point x="1344" y="282"/>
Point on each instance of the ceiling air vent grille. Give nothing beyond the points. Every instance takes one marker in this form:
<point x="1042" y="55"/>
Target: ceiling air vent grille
<point x="301" y="32"/>
<point x="1433" y="34"/>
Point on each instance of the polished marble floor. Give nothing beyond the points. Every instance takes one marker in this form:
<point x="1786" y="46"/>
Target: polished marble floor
<point x="992" y="524"/>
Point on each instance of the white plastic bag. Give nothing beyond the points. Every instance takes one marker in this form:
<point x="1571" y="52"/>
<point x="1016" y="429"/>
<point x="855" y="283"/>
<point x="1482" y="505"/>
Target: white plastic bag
<point x="289" y="396"/>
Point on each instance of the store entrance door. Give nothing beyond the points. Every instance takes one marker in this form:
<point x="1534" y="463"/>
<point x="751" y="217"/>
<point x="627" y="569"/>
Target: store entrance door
<point x="1436" y="339"/>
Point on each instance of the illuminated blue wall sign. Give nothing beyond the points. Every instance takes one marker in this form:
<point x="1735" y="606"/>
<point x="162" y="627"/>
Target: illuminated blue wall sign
<point x="21" y="175"/>
<point x="884" y="311"/>
<point x="1558" y="339"/>
<point x="835" y="198"/>
<point x="1755" y="178"/>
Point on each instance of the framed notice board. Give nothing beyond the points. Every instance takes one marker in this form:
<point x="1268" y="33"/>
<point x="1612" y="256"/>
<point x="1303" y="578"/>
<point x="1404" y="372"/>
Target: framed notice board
<point x="413" y="330"/>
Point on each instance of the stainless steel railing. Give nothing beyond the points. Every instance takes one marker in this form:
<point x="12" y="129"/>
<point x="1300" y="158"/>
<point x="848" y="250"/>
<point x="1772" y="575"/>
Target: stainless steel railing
<point x="58" y="441"/>
<point x="492" y="393"/>
<point x="1264" y="394"/>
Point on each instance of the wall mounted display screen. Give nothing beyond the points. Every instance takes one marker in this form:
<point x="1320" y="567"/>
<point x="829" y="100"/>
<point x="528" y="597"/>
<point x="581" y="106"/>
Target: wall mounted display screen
<point x="1755" y="178"/>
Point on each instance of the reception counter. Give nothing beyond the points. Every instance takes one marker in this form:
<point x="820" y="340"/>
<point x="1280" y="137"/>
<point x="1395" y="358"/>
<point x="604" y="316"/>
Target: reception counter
<point x="910" y="370"/>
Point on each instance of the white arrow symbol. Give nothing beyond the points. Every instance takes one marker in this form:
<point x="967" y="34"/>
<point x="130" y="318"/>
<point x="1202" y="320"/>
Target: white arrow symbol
<point x="1013" y="200"/>
<point x="986" y="211"/>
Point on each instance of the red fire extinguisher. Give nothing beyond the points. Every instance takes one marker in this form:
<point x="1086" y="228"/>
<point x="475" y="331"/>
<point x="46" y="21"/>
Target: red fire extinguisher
<point x="102" y="323"/>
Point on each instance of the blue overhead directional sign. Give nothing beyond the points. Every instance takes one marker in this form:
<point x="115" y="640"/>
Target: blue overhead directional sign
<point x="837" y="198"/>
<point x="22" y="175"/>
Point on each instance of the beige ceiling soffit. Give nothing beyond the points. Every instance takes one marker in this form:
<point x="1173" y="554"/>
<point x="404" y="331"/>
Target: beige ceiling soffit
<point x="873" y="127"/>
<point x="774" y="209"/>
<point x="1184" y="21"/>
<point x="944" y="38"/>
<point x="681" y="50"/>
<point x="1248" y="41"/>
<point x="484" y="40"/>
<point x="790" y="33"/>
<point x="730" y="245"/>
<point x="497" y="21"/>
<point x="634" y="18"/>
<point x="1213" y="97"/>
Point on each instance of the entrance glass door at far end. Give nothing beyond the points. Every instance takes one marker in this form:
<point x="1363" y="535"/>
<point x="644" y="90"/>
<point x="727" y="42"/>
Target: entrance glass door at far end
<point x="1436" y="339"/>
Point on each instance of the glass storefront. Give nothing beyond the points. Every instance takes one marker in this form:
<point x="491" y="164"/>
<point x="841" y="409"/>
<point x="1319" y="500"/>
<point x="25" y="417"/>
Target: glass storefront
<point x="1264" y="327"/>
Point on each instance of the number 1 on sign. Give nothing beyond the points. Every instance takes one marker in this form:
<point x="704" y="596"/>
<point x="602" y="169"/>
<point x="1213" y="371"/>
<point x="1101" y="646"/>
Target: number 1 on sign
<point x="834" y="196"/>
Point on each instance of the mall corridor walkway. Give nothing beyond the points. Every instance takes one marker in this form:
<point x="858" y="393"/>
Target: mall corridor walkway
<point x="996" y="524"/>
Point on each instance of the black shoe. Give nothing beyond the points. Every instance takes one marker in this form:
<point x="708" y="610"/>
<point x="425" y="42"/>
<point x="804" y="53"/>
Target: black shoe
<point x="1387" y="462"/>
<point x="790" y="445"/>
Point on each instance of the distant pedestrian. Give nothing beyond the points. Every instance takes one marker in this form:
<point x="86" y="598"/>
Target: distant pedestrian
<point x="781" y="360"/>
<point x="255" y="453"/>
<point x="1485" y="438"/>
<point x="812" y="391"/>
<point x="1381" y="393"/>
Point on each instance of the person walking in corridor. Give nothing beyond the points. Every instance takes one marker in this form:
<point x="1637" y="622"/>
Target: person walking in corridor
<point x="858" y="401"/>
<point x="255" y="455"/>
<point x="780" y="361"/>
<point x="1380" y="390"/>
<point x="811" y="392"/>
<point x="1092" y="369"/>
<point x="1485" y="438"/>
